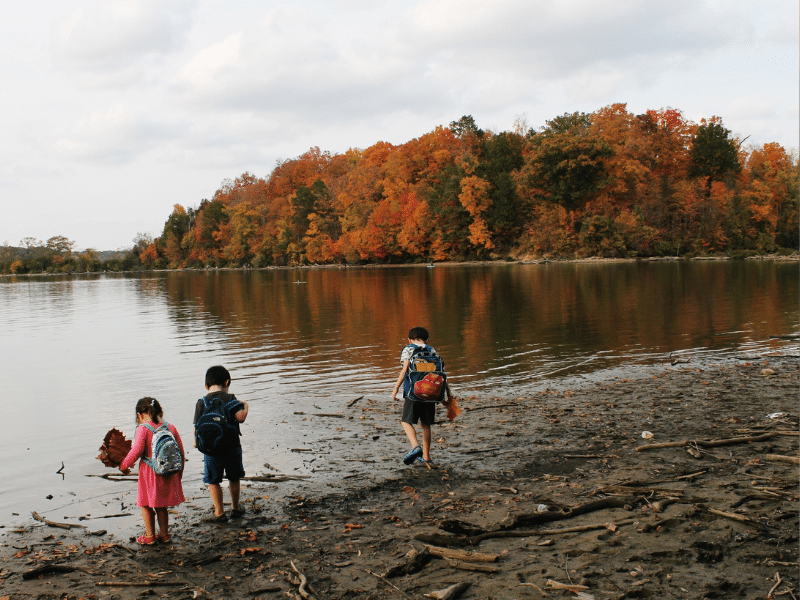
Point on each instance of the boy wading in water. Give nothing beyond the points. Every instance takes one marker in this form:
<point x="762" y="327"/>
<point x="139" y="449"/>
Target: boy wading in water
<point x="415" y="410"/>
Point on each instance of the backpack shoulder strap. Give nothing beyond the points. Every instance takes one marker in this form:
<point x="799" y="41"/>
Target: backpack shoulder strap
<point x="417" y="349"/>
<point x="150" y="427"/>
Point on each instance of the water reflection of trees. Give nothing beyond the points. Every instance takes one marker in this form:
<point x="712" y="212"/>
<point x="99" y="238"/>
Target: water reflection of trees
<point x="485" y="316"/>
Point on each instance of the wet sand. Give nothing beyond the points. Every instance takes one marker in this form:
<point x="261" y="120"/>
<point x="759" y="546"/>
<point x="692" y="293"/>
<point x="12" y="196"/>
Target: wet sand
<point x="547" y="490"/>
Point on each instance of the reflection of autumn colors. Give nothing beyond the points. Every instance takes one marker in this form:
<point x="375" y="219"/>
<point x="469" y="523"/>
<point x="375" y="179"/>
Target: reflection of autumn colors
<point x="610" y="183"/>
<point x="492" y="323"/>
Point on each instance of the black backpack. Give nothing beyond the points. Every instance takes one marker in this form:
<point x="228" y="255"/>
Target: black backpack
<point x="214" y="432"/>
<point x="425" y="379"/>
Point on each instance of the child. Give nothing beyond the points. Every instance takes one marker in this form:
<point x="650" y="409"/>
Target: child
<point x="414" y="410"/>
<point x="218" y="380"/>
<point x="155" y="493"/>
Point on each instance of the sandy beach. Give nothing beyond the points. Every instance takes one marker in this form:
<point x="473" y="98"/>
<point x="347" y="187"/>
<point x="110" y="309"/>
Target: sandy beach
<point x="676" y="484"/>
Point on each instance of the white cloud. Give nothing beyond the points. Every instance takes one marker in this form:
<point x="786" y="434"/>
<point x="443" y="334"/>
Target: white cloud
<point x="161" y="100"/>
<point x="115" y="135"/>
<point x="119" y="36"/>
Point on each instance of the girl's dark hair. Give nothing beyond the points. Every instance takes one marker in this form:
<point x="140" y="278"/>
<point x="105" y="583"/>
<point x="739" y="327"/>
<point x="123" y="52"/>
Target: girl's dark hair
<point x="151" y="407"/>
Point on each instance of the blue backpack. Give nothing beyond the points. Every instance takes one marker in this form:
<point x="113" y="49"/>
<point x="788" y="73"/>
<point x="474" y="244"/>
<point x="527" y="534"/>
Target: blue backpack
<point x="425" y="380"/>
<point x="214" y="432"/>
<point x="165" y="453"/>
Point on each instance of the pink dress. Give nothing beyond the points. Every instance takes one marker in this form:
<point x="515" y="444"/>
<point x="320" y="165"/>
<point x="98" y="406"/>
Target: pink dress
<point x="155" y="491"/>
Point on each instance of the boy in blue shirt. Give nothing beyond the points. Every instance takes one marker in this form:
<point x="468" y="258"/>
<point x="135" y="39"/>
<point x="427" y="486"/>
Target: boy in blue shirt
<point x="218" y="380"/>
<point x="413" y="410"/>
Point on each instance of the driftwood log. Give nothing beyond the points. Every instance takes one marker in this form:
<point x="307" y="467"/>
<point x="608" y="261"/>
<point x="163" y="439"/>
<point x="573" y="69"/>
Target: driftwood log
<point x="467" y="534"/>
<point x="462" y="554"/>
<point x="415" y="563"/>
<point x="50" y="523"/>
<point x="462" y="566"/>
<point x="450" y="593"/>
<point x="45" y="569"/>
<point x="781" y="458"/>
<point x="140" y="583"/>
<point x="710" y="443"/>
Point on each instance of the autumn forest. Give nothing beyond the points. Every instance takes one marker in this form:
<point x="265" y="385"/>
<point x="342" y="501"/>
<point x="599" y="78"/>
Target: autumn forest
<point x="607" y="184"/>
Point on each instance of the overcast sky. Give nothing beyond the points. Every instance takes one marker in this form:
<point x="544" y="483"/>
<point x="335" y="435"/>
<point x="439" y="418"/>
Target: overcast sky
<point x="114" y="111"/>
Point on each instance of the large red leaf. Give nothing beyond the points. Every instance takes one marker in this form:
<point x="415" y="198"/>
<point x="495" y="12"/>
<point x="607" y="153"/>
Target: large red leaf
<point x="114" y="449"/>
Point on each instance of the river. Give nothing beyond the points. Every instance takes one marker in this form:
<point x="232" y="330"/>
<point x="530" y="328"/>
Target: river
<point x="79" y="350"/>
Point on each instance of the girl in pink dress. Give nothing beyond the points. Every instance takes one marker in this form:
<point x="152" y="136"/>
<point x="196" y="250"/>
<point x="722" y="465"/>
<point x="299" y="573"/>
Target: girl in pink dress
<point x="155" y="493"/>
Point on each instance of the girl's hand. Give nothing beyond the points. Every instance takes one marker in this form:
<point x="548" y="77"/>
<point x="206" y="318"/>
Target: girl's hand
<point x="125" y="471"/>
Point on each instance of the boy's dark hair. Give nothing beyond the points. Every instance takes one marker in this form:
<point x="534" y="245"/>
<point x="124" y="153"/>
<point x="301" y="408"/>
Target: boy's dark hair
<point x="418" y="333"/>
<point x="217" y="375"/>
<point x="151" y="407"/>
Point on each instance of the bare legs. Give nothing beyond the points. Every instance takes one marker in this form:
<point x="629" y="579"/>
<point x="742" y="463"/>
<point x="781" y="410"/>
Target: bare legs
<point x="216" y="497"/>
<point x="149" y="515"/>
<point x="411" y="434"/>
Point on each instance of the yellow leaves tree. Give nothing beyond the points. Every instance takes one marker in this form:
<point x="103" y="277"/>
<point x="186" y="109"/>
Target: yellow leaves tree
<point x="475" y="198"/>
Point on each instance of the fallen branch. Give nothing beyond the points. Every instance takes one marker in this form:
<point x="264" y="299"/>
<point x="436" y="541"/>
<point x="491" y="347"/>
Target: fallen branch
<point x="417" y="561"/>
<point x="462" y="554"/>
<point x="734" y="516"/>
<point x="475" y="535"/>
<point x="580" y="528"/>
<point x="45" y="569"/>
<point x="626" y="489"/>
<point x="390" y="584"/>
<point x="275" y="478"/>
<point x="568" y="512"/>
<point x="778" y="581"/>
<point x="541" y="591"/>
<point x="450" y="593"/>
<point x="116" y="477"/>
<point x="780" y="458"/>
<point x="41" y="519"/>
<point x="139" y="583"/>
<point x="588" y="456"/>
<point x="691" y="476"/>
<point x="710" y="443"/>
<point x="470" y="567"/>
<point x="206" y="561"/>
<point x="566" y="586"/>
<point x="352" y="402"/>
<point x="303" y="588"/>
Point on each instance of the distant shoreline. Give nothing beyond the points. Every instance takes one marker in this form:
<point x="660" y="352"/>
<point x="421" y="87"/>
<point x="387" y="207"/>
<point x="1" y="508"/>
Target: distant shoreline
<point x="794" y="257"/>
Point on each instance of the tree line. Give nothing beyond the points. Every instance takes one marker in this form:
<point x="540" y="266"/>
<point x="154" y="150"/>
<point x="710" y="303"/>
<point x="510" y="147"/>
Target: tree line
<point x="610" y="184"/>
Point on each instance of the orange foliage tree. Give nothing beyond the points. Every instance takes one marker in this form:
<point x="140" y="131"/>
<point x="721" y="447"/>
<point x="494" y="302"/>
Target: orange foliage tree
<point x="609" y="183"/>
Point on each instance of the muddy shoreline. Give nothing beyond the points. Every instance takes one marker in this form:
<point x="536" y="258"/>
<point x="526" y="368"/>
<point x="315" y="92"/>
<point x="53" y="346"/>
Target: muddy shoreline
<point x="549" y="489"/>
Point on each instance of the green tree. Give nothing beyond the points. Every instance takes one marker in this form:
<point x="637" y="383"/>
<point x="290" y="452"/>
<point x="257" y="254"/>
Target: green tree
<point x="566" y="162"/>
<point x="466" y="127"/>
<point x="713" y="154"/>
<point x="501" y="157"/>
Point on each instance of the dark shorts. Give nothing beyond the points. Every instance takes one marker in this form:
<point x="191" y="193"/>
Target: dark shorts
<point x="414" y="410"/>
<point x="230" y="465"/>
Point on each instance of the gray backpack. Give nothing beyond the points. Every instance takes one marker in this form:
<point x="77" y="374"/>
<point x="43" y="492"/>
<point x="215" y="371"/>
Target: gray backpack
<point x="165" y="453"/>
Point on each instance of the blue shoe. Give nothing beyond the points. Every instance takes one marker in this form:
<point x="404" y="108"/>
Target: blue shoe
<point x="412" y="456"/>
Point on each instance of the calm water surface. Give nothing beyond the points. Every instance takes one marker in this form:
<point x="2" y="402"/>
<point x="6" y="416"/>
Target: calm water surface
<point x="79" y="351"/>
